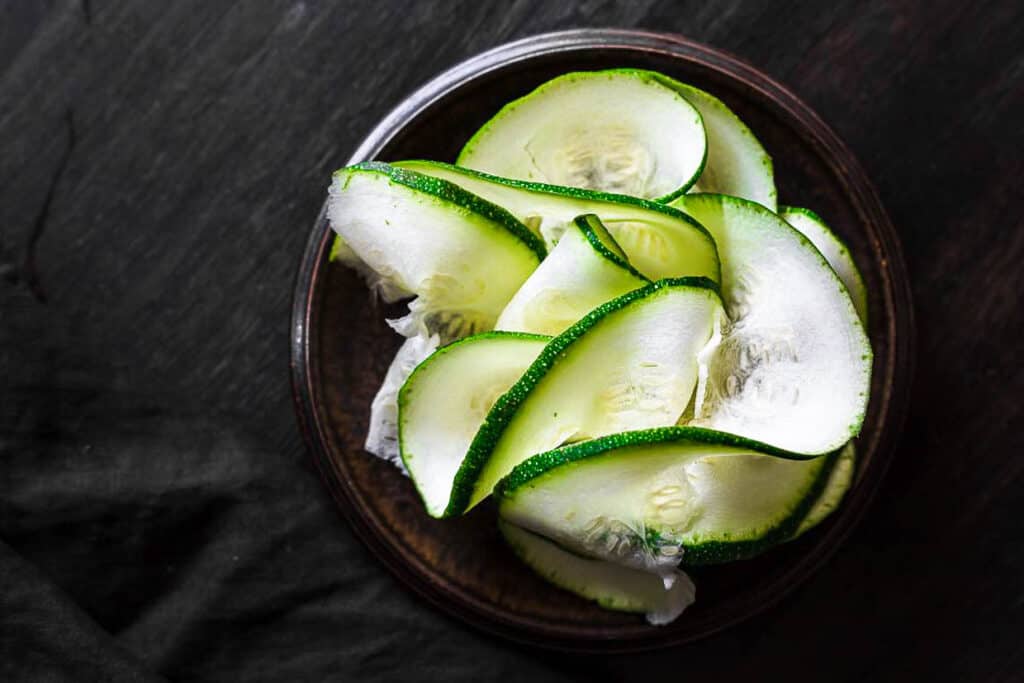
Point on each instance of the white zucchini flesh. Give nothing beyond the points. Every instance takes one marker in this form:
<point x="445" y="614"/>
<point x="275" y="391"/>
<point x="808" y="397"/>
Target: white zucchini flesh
<point x="834" y="251"/>
<point x="652" y="498"/>
<point x="793" y="369"/>
<point x="445" y="399"/>
<point x="612" y="586"/>
<point x="382" y="436"/>
<point x="659" y="241"/>
<point x="737" y="164"/>
<point x="585" y="269"/>
<point x="629" y="364"/>
<point x="461" y="257"/>
<point x="617" y="131"/>
<point x="839" y="482"/>
<point x="388" y="291"/>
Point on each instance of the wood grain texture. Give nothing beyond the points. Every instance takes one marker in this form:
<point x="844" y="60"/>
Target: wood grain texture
<point x="204" y="135"/>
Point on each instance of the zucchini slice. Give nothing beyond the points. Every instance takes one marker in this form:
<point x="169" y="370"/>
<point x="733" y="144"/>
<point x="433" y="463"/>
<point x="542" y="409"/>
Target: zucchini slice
<point x="793" y="369"/>
<point x="737" y="164"/>
<point x="629" y="364"/>
<point x="619" y="130"/>
<point x="612" y="586"/>
<point x="648" y="499"/>
<point x="839" y="482"/>
<point x="660" y="241"/>
<point x="834" y="251"/>
<point x="342" y="253"/>
<point x="445" y="399"/>
<point x="585" y="269"/>
<point x="382" y="435"/>
<point x="461" y="256"/>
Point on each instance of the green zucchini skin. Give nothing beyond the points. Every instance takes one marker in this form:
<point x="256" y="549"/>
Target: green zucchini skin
<point x="547" y="209"/>
<point x="643" y="75"/>
<point x="563" y="191"/>
<point x="719" y="552"/>
<point x="452" y="193"/>
<point x="839" y="482"/>
<point x="584" y="269"/>
<point x="611" y="586"/>
<point x="720" y="119"/>
<point x="695" y="554"/>
<point x="413" y="389"/>
<point x="589" y="224"/>
<point x="528" y="470"/>
<point x="338" y="248"/>
<point x="491" y="334"/>
<point x="507" y="406"/>
<point x="841" y="259"/>
<point x="752" y="216"/>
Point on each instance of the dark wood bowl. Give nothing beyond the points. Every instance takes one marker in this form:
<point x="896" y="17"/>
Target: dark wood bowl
<point x="341" y="349"/>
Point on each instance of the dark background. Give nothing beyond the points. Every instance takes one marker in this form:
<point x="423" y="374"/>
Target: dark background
<point x="161" y="164"/>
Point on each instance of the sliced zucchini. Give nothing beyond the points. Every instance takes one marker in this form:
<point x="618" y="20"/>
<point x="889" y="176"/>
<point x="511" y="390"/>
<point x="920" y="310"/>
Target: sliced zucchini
<point x="648" y="499"/>
<point x="619" y="130"/>
<point x="834" y="251"/>
<point x="660" y="242"/>
<point x="380" y="286"/>
<point x="382" y="436"/>
<point x="461" y="256"/>
<point x="629" y="364"/>
<point x="737" y="164"/>
<point x="838" y="484"/>
<point x="794" y="367"/>
<point x="445" y="399"/>
<point x="585" y="269"/>
<point x="602" y="240"/>
<point x="612" y="586"/>
<point x="340" y="251"/>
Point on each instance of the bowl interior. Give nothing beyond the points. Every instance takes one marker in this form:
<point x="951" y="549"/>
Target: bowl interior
<point x="462" y="565"/>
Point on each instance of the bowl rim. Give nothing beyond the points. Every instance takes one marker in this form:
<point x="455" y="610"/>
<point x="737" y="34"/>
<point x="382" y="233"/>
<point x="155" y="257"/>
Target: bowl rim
<point x="896" y="295"/>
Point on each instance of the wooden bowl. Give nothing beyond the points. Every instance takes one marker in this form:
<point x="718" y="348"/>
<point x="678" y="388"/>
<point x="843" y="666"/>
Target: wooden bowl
<point x="341" y="349"/>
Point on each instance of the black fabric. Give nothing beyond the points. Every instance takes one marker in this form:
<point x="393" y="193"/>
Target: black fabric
<point x="144" y="533"/>
<point x="153" y="535"/>
<point x="161" y="166"/>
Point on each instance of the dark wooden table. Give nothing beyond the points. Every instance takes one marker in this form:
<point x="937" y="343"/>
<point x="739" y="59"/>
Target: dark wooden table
<point x="161" y="165"/>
